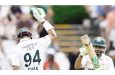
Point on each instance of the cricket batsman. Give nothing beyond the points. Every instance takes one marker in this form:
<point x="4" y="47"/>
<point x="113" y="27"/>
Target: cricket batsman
<point x="84" y="62"/>
<point x="29" y="54"/>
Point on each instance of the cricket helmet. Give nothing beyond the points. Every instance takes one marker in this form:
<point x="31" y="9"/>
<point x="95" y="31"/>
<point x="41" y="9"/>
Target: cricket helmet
<point x="99" y="45"/>
<point x="99" y="41"/>
<point x="23" y="32"/>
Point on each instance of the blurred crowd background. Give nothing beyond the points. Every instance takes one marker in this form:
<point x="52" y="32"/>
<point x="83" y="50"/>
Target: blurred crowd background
<point x="70" y="23"/>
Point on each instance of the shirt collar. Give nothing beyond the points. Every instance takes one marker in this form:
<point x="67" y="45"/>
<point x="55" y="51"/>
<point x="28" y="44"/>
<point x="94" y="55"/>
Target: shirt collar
<point x="102" y="57"/>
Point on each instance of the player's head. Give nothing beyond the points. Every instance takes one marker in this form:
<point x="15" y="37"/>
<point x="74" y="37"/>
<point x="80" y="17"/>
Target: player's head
<point x="23" y="32"/>
<point x="99" y="45"/>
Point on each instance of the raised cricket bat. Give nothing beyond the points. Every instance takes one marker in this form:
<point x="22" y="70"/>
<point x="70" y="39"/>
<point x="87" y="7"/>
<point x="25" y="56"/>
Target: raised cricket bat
<point x="91" y="52"/>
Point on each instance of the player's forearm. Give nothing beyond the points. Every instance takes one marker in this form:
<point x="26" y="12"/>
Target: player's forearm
<point x="50" y="29"/>
<point x="78" y="64"/>
<point x="39" y="14"/>
<point x="52" y="33"/>
<point x="91" y="51"/>
<point x="93" y="57"/>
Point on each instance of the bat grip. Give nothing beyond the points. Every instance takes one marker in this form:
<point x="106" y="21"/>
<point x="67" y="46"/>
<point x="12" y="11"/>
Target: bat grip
<point x="87" y="44"/>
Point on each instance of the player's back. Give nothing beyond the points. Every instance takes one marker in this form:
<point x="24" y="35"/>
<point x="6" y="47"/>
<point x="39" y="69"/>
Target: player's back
<point x="30" y="53"/>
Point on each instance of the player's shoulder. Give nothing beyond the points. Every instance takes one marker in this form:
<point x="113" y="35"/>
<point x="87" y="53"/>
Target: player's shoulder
<point x="38" y="39"/>
<point x="107" y="57"/>
<point x="16" y="46"/>
<point x="43" y="39"/>
<point x="46" y="37"/>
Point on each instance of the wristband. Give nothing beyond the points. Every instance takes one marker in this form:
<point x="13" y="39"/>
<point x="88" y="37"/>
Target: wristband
<point x="47" y="25"/>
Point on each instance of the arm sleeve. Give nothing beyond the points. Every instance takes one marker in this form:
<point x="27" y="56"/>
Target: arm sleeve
<point x="46" y="41"/>
<point x="84" y="61"/>
<point x="15" y="57"/>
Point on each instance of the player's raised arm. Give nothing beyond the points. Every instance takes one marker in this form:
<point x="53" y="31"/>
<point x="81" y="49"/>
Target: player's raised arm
<point x="91" y="52"/>
<point x="78" y="63"/>
<point x="39" y="14"/>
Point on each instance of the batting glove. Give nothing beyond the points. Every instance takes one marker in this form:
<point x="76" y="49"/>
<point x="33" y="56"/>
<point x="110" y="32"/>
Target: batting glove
<point x="83" y="51"/>
<point x="38" y="13"/>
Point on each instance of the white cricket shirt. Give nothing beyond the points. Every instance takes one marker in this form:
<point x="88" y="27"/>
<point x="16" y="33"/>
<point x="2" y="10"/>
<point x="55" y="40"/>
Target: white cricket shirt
<point x="29" y="54"/>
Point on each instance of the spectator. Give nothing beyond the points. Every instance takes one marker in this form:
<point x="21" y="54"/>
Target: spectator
<point x="111" y="34"/>
<point x="92" y="11"/>
<point x="62" y="60"/>
<point x="4" y="63"/>
<point x="50" y="63"/>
